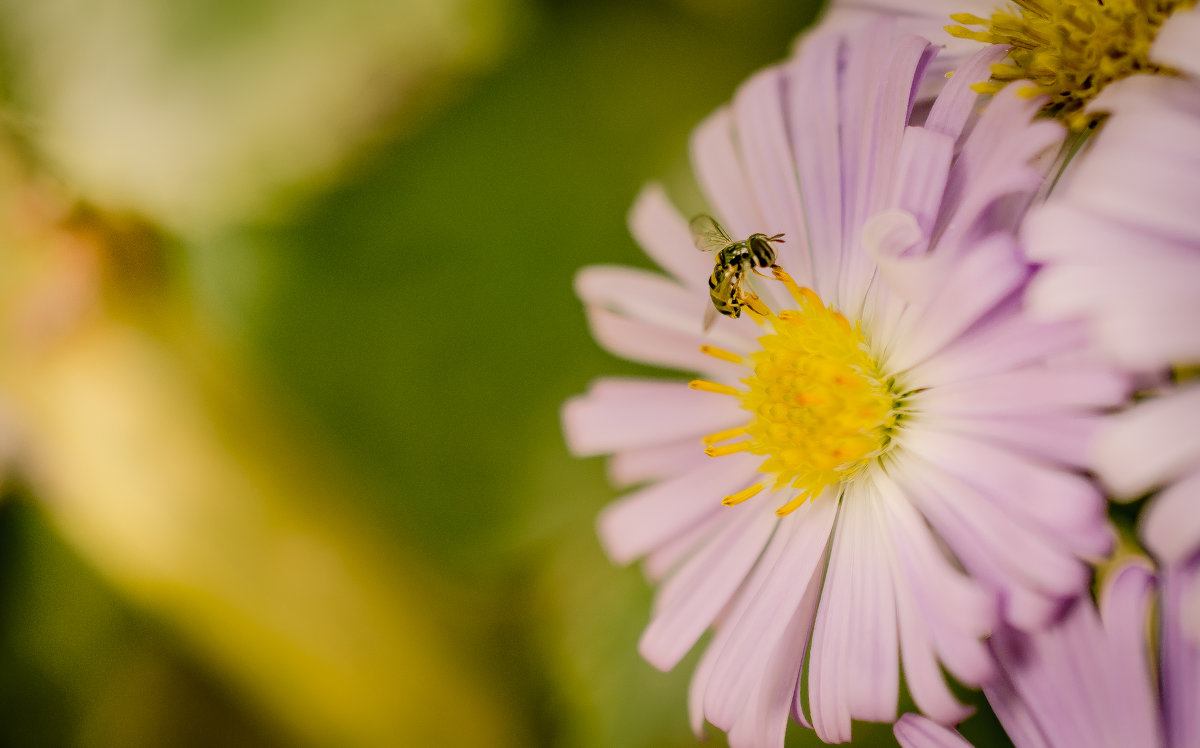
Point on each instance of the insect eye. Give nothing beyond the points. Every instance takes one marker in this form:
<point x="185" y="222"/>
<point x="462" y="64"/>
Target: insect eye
<point x="761" y="251"/>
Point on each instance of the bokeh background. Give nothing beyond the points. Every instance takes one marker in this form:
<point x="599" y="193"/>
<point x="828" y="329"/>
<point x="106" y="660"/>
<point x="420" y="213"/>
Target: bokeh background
<point x="285" y="323"/>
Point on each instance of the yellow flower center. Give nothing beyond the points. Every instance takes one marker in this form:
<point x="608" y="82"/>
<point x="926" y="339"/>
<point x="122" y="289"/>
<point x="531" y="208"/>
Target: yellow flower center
<point x="821" y="406"/>
<point x="1070" y="48"/>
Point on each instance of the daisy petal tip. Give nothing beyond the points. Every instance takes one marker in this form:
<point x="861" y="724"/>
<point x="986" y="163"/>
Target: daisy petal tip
<point x="659" y="652"/>
<point x="575" y="433"/>
<point x="916" y="731"/>
<point x="611" y="532"/>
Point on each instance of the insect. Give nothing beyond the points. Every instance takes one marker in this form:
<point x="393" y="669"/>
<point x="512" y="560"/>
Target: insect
<point x="734" y="260"/>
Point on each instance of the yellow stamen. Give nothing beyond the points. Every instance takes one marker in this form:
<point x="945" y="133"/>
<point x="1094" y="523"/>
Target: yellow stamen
<point x="721" y="354"/>
<point x="722" y="436"/>
<point x="792" y="505"/>
<point x="706" y="386"/>
<point x="822" y="407"/>
<point x="1070" y="49"/>
<point x="727" y="449"/>
<point x="798" y="292"/>
<point x="740" y="496"/>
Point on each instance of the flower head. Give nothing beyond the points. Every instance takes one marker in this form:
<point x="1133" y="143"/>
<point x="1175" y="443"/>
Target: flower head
<point x="888" y="400"/>
<point x="1071" y="49"/>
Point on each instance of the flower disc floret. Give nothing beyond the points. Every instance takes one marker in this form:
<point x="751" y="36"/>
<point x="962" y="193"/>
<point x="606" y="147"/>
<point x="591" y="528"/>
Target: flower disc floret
<point x="822" y="406"/>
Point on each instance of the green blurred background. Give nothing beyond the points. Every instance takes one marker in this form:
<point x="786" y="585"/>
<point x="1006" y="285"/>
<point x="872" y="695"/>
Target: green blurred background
<point x="288" y="320"/>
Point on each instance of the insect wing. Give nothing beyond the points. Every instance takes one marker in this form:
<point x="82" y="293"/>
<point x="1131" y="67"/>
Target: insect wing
<point x="710" y="316"/>
<point x="708" y="234"/>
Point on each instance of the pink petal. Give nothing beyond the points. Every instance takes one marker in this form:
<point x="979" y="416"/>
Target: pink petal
<point x="991" y="165"/>
<point x="668" y="556"/>
<point x="1032" y="391"/>
<point x="625" y="414"/>
<point x="774" y="596"/>
<point x="1179" y="659"/>
<point x="985" y="537"/>
<point x="719" y="170"/>
<point x="854" y="671"/>
<point x="1125" y="611"/>
<point x="1151" y="444"/>
<point x="1175" y="44"/>
<point x="958" y="101"/>
<point x="973" y="285"/>
<point x="1003" y="344"/>
<point x="1170" y="526"/>
<point x="914" y="731"/>
<point x="645" y="316"/>
<point x="1061" y="437"/>
<point x="815" y="141"/>
<point x="641" y="521"/>
<point x="758" y="111"/>
<point x="763" y="721"/>
<point x="1063" y="505"/>
<point x="690" y="600"/>
<point x="664" y="235"/>
<point x="957" y="611"/>
<point x="644" y="464"/>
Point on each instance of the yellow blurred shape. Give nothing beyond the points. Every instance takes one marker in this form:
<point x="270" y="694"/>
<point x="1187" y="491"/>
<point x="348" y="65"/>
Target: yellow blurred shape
<point x="157" y="457"/>
<point x="200" y="114"/>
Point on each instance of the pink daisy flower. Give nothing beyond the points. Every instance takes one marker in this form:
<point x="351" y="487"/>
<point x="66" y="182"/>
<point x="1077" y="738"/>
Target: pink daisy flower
<point x="887" y="415"/>
<point x="1088" y="681"/>
<point x="1120" y="239"/>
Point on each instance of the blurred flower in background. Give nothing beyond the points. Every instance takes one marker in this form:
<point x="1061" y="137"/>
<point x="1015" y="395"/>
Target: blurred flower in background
<point x="284" y="321"/>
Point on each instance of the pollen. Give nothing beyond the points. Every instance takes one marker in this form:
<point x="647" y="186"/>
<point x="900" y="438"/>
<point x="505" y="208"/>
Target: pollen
<point x="821" y="407"/>
<point x="1071" y="49"/>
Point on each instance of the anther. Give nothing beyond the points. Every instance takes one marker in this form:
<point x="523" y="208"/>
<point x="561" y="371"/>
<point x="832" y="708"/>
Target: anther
<point x="792" y="505"/>
<point x="722" y="436"/>
<point x="740" y="496"/>
<point x="728" y="449"/>
<point x="720" y="353"/>
<point x="706" y="386"/>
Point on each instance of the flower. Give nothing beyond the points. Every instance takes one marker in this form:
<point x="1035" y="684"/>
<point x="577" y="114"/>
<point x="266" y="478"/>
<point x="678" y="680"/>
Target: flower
<point x="1087" y="681"/>
<point x="1071" y="49"/>
<point x="961" y="423"/>
<point x="1120" y="239"/>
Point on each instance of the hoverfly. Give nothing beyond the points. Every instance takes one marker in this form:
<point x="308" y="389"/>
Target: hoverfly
<point x="734" y="260"/>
